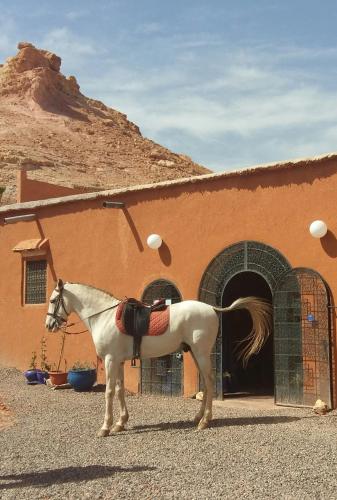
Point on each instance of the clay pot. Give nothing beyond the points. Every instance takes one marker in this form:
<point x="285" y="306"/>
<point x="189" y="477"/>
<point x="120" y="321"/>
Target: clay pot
<point x="58" y="378"/>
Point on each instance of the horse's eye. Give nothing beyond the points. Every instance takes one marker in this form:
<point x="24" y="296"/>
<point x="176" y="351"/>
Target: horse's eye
<point x="52" y="301"/>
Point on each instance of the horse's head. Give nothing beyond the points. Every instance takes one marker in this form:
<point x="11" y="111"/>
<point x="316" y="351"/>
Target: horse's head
<point x="57" y="313"/>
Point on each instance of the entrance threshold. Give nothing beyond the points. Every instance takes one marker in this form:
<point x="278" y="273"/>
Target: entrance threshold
<point x="244" y="400"/>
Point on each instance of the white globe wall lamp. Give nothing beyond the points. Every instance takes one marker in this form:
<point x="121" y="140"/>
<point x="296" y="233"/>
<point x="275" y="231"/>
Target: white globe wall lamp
<point x="154" y="241"/>
<point x="318" y="229"/>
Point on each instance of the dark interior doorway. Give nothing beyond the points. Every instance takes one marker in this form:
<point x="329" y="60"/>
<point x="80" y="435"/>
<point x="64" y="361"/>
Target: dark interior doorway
<point x="257" y="378"/>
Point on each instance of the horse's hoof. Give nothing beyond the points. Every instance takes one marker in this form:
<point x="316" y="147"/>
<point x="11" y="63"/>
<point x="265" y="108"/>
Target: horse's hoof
<point x="202" y="425"/>
<point x="117" y="428"/>
<point x="103" y="433"/>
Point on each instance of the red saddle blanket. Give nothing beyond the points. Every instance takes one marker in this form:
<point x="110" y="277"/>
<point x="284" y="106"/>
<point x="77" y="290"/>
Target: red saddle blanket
<point x="159" y="321"/>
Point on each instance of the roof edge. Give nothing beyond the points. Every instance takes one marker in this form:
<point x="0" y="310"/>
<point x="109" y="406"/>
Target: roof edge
<point x="301" y="162"/>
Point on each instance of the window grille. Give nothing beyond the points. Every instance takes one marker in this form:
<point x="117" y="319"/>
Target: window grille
<point x="35" y="281"/>
<point x="161" y="289"/>
<point x="162" y="375"/>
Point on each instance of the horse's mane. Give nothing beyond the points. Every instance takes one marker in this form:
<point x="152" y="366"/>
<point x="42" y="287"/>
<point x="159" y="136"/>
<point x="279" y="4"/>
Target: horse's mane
<point x="94" y="288"/>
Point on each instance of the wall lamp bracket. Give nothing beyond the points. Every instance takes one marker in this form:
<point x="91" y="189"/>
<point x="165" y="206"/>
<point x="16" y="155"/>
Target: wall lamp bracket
<point x="19" y="218"/>
<point x="113" y="204"/>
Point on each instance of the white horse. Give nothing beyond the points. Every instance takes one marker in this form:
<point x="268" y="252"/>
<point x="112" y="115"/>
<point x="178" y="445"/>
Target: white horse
<point x="191" y="322"/>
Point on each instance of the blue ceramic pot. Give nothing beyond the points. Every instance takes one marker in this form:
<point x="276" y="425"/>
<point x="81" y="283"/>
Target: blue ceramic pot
<point x="82" y="380"/>
<point x="42" y="376"/>
<point x="31" y="376"/>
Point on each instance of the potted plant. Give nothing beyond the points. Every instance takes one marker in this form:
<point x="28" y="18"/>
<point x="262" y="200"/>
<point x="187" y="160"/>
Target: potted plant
<point x="42" y="375"/>
<point x="56" y="375"/>
<point x="82" y="376"/>
<point x="31" y="373"/>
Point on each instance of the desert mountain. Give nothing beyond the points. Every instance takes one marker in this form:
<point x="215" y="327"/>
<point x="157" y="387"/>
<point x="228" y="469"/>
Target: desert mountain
<point x="49" y="127"/>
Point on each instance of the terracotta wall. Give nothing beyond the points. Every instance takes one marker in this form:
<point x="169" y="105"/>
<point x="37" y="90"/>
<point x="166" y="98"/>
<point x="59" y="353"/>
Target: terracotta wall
<point x="32" y="190"/>
<point x="107" y="247"/>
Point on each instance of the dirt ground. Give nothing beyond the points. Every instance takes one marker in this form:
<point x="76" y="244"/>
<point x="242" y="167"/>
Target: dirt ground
<point x="252" y="451"/>
<point x="6" y="416"/>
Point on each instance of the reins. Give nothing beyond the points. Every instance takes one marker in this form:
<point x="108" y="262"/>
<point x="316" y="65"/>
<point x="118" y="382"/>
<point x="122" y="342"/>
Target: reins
<point x="68" y="325"/>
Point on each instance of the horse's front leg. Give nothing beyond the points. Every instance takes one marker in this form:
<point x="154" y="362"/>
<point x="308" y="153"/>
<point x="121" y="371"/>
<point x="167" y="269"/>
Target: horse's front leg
<point x="124" y="415"/>
<point x="111" y="371"/>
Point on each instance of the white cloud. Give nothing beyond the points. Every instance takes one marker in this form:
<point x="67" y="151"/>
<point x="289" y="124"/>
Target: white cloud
<point x="65" y="41"/>
<point x="242" y="101"/>
<point x="272" y="109"/>
<point x="8" y="41"/>
<point x="76" y="14"/>
<point x="77" y="52"/>
<point x="149" y="28"/>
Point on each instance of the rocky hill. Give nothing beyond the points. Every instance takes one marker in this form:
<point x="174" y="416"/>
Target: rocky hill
<point x="48" y="126"/>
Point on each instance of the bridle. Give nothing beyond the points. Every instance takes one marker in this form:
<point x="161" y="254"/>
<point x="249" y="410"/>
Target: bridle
<point x="58" y="300"/>
<point x="61" y="322"/>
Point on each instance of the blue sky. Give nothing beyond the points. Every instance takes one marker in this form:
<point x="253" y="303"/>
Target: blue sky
<point x="230" y="83"/>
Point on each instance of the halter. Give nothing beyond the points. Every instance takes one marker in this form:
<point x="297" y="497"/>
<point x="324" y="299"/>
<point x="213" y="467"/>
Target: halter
<point x="59" y="303"/>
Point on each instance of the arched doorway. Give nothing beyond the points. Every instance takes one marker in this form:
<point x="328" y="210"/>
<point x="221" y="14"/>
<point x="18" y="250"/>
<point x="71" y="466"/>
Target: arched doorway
<point x="243" y="257"/>
<point x="162" y="375"/>
<point x="258" y="376"/>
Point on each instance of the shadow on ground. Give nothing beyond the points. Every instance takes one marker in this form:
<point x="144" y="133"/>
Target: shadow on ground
<point x="64" y="475"/>
<point x="217" y="422"/>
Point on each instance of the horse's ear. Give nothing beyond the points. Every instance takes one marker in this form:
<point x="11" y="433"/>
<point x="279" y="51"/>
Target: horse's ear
<point x="59" y="285"/>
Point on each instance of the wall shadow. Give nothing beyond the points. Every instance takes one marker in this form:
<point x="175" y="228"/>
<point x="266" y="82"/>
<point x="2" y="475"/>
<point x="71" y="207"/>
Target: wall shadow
<point x="329" y="244"/>
<point x="65" y="475"/>
<point x="165" y="254"/>
<point x="133" y="229"/>
<point x="49" y="254"/>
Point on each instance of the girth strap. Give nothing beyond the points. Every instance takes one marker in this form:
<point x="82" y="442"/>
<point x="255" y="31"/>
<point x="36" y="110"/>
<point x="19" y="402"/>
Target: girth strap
<point x="136" y="319"/>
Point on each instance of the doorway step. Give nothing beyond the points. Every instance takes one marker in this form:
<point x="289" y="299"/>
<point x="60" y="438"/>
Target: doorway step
<point x="248" y="402"/>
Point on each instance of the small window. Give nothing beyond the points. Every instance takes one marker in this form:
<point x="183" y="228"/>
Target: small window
<point x="35" y="281"/>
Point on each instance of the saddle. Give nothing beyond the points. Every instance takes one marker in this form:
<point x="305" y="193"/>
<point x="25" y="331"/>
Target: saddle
<point x="137" y="319"/>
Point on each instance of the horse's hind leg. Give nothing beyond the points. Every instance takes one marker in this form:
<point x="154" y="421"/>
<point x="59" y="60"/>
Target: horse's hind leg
<point x="111" y="372"/>
<point x="124" y="415"/>
<point x="201" y="411"/>
<point x="204" y="363"/>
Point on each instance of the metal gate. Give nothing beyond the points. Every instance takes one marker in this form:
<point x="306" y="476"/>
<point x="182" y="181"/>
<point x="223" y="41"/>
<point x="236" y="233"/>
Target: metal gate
<point x="162" y="375"/>
<point x="302" y="336"/>
<point x="243" y="256"/>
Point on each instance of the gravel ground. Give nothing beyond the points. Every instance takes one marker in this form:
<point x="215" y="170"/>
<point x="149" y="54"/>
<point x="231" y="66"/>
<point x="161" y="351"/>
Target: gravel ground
<point x="52" y="452"/>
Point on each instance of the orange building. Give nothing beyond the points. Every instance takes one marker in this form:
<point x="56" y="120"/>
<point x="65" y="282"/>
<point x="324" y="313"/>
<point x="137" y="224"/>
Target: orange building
<point x="224" y="236"/>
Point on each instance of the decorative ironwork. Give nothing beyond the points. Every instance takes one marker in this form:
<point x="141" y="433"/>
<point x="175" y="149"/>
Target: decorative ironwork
<point x="161" y="289"/>
<point x="302" y="339"/>
<point x="244" y="256"/>
<point x="161" y="375"/>
<point x="35" y="281"/>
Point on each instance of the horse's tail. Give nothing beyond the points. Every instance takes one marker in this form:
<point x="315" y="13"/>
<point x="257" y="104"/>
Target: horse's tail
<point x="261" y="314"/>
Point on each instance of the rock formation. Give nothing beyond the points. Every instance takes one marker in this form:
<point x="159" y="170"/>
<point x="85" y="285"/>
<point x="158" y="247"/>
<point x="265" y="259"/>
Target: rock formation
<point x="49" y="127"/>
